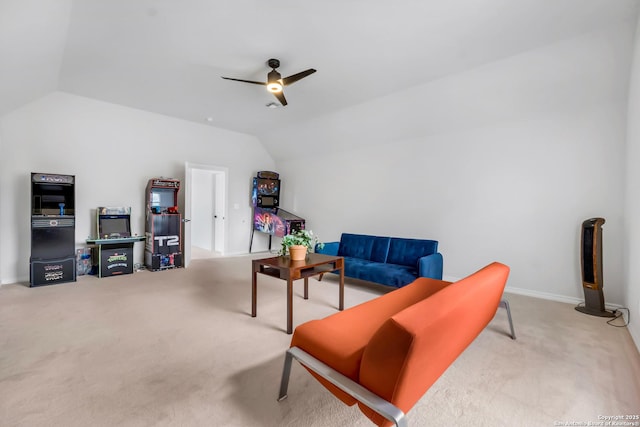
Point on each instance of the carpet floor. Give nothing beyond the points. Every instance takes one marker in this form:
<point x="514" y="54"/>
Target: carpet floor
<point x="179" y="348"/>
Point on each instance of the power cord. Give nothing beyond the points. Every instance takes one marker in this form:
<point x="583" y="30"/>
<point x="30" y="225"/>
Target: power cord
<point x="618" y="313"/>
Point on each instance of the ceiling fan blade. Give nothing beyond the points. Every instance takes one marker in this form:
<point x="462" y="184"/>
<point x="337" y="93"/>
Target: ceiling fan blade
<point x="281" y="98"/>
<point x="294" y="78"/>
<point x="245" y="81"/>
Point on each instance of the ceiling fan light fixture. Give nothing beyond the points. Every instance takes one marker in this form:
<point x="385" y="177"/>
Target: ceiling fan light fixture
<point x="274" y="87"/>
<point x="274" y="82"/>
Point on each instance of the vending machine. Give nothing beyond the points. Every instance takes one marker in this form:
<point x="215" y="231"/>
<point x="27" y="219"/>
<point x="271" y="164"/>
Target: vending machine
<point x="163" y="226"/>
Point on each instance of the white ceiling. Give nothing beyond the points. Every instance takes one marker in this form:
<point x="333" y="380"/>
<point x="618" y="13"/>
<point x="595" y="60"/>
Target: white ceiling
<point x="167" y="56"/>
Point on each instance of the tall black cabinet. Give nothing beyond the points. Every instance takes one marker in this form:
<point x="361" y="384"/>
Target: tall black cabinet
<point x="53" y="226"/>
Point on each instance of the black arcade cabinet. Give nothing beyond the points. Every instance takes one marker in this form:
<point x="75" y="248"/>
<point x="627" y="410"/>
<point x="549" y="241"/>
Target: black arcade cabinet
<point x="53" y="227"/>
<point x="164" y="225"/>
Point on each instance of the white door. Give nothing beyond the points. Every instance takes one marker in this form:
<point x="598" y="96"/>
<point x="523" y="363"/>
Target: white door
<point x="219" y="204"/>
<point x="202" y="210"/>
<point x="205" y="191"/>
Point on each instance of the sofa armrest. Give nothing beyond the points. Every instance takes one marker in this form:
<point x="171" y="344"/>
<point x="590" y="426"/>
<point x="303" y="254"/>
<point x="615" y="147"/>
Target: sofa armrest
<point x="330" y="248"/>
<point x="430" y="266"/>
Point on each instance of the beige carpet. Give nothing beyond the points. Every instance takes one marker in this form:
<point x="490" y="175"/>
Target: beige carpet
<point x="179" y="348"/>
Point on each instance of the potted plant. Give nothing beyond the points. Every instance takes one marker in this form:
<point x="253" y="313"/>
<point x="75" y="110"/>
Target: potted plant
<point x="298" y="243"/>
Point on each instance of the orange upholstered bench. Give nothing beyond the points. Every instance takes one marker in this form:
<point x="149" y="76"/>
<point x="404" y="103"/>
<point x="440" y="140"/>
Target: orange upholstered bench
<point x="384" y="354"/>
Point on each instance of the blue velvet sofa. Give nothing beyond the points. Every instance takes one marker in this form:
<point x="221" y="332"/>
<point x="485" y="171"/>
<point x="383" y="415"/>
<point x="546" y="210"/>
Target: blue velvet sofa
<point x="391" y="261"/>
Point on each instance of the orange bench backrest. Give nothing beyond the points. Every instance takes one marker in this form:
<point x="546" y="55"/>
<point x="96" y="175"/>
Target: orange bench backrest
<point x="413" y="348"/>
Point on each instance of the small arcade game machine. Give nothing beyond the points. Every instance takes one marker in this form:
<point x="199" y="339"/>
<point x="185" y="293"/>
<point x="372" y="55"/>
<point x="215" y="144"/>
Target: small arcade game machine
<point x="267" y="216"/>
<point x="114" y="245"/>
<point x="53" y="227"/>
<point x="164" y="225"/>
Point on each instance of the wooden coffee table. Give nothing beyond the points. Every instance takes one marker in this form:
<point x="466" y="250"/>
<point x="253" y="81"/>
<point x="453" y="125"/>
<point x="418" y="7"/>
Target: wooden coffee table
<point x="283" y="268"/>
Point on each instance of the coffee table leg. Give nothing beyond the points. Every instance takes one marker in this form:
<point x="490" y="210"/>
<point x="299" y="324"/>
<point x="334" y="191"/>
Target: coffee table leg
<point x="254" y="294"/>
<point x="289" y="305"/>
<point x="341" y="306"/>
<point x="306" y="288"/>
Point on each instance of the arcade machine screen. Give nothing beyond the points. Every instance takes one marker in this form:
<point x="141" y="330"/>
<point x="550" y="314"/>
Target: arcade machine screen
<point x="266" y="192"/>
<point x="52" y="199"/>
<point x="162" y="199"/>
<point x="114" y="226"/>
<point x="267" y="187"/>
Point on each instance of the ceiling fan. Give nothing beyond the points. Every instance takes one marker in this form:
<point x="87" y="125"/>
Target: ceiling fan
<point x="275" y="83"/>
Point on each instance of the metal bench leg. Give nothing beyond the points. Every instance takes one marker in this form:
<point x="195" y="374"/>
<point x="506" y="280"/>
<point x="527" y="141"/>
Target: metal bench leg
<point x="286" y="372"/>
<point x="504" y="303"/>
<point x="353" y="389"/>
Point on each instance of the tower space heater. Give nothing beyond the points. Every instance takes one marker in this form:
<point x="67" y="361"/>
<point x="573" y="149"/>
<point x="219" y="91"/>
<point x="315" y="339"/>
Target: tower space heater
<point x="591" y="266"/>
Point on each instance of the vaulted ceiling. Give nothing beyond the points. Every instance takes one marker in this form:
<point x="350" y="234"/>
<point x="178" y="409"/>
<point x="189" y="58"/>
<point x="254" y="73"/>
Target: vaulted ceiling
<point x="168" y="56"/>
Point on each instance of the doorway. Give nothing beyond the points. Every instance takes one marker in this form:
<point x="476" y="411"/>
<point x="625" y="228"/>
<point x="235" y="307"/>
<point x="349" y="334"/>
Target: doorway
<point x="205" y="211"/>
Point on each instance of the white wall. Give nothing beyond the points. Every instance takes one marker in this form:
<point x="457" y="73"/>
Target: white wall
<point x="502" y="162"/>
<point x="113" y="151"/>
<point x="632" y="207"/>
<point x="33" y="34"/>
<point x="2" y="155"/>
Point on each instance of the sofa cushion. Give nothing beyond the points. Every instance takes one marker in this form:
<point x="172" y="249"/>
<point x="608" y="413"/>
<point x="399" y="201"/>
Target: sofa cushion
<point x="356" y="267"/>
<point x="393" y="275"/>
<point x="362" y="246"/>
<point x="407" y="251"/>
<point x="339" y="340"/>
<point x="388" y="274"/>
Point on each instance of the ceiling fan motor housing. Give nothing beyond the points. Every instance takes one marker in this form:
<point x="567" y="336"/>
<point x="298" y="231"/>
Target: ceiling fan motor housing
<point x="273" y="63"/>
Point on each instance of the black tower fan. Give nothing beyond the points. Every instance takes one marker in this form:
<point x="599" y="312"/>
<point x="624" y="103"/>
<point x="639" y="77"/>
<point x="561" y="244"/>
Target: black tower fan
<point x="591" y="263"/>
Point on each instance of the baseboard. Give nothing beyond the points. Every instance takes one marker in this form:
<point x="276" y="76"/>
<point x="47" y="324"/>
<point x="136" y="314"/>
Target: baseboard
<point x="553" y="297"/>
<point x="574" y="301"/>
<point x="635" y="336"/>
<point x="14" y="281"/>
<point x="547" y="295"/>
<point x="265" y="252"/>
<point x="243" y="253"/>
<point x="543" y="295"/>
<point x="529" y="293"/>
